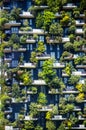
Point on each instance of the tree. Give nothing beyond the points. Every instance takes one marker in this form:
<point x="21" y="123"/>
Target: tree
<point x="15" y="90"/>
<point x="42" y="99"/>
<point x="48" y="18"/>
<point x="41" y="48"/>
<point x="68" y="46"/>
<point x="33" y="109"/>
<point x="29" y="125"/>
<point x="26" y="78"/>
<point x="74" y="79"/>
<point x="38" y="127"/>
<point x="48" y="74"/>
<point x="39" y="20"/>
<point x="61" y="127"/>
<point x="56" y="29"/>
<point x="82" y="5"/>
<point x="33" y="58"/>
<point x="15" y="13"/>
<point x="50" y="125"/>
<point x="40" y="2"/>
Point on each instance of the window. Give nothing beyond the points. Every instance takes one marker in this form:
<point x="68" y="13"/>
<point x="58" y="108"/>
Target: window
<point x="56" y="98"/>
<point x="16" y="116"/>
<point x="14" y="63"/>
<point x="58" y="54"/>
<point x="41" y="38"/>
<point x="53" y="54"/>
<point x="14" y="29"/>
<point x="30" y="22"/>
<point x="41" y="63"/>
<point x="31" y="47"/>
<point x="51" y="47"/>
<point x="12" y="55"/>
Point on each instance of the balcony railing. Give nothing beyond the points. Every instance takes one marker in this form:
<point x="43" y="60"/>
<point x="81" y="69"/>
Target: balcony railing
<point x="58" y="65"/>
<point x="28" y="118"/>
<point x="79" y="31"/>
<point x="79" y="23"/>
<point x="11" y="23"/>
<point x="69" y="6"/>
<point x="26" y="15"/>
<point x="28" y="65"/>
<point x="33" y="31"/>
<point x="30" y="41"/>
<point x="43" y="57"/>
<point x="58" y="117"/>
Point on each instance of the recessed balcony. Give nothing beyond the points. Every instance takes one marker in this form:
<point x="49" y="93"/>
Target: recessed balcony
<point x="26" y="15"/>
<point x="69" y="6"/>
<point x="76" y="108"/>
<point x="28" y="65"/>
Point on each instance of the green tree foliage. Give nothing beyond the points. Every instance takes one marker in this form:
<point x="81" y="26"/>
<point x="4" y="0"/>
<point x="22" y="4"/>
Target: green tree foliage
<point x="41" y="48"/>
<point x="74" y="79"/>
<point x="48" y="18"/>
<point x="48" y="74"/>
<point x="82" y="5"/>
<point x="50" y="125"/>
<point x="39" y="20"/>
<point x="26" y="78"/>
<point x="42" y="99"/>
<point x="56" y="29"/>
<point x="33" y="109"/>
<point x="38" y="127"/>
<point x="29" y="125"/>
<point x="33" y="58"/>
<point x="15" y="90"/>
<point x="14" y="15"/>
<point x="40" y="2"/>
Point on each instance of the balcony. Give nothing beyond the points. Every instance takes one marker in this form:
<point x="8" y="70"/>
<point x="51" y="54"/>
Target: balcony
<point x="65" y="39"/>
<point x="70" y="92"/>
<point x="7" y="59"/>
<point x="79" y="31"/>
<point x="80" y="23"/>
<point x="33" y="31"/>
<point x="9" y="110"/>
<point x="11" y="23"/>
<point x="28" y="65"/>
<point x="39" y="82"/>
<point x="26" y="15"/>
<point x="43" y="57"/>
<point x="58" y="117"/>
<point x="80" y="73"/>
<point x="45" y="108"/>
<point x="76" y="108"/>
<point x="81" y="66"/>
<point x="58" y="15"/>
<point x="69" y="6"/>
<point x="30" y="41"/>
<point x="80" y="127"/>
<point x="7" y="50"/>
<point x="21" y="49"/>
<point x="28" y="118"/>
<point x="58" y="65"/>
<point x="41" y="7"/>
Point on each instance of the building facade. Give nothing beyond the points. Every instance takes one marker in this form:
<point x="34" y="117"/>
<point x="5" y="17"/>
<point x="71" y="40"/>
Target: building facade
<point x="43" y="64"/>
